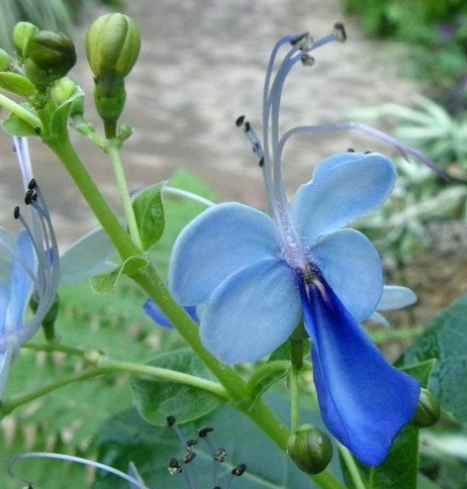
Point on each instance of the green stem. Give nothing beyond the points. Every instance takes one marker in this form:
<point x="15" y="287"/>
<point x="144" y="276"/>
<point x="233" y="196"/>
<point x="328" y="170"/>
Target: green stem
<point x="65" y="151"/>
<point x="108" y="366"/>
<point x="114" y="155"/>
<point x="147" y="278"/>
<point x="21" y="112"/>
<point x="351" y="467"/>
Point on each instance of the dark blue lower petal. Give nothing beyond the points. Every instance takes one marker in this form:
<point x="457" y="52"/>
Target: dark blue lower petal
<point x="364" y="401"/>
<point x="156" y="314"/>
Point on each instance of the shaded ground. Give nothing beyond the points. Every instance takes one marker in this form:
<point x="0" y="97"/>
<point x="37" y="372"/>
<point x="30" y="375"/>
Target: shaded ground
<point x="202" y="64"/>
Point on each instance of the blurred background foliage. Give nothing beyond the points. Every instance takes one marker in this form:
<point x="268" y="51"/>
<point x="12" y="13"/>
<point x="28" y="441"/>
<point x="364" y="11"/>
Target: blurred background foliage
<point x="58" y="15"/>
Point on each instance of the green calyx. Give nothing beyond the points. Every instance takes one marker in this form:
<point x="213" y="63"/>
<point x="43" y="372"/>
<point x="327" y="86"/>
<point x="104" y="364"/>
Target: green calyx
<point x="310" y="449"/>
<point x="428" y="410"/>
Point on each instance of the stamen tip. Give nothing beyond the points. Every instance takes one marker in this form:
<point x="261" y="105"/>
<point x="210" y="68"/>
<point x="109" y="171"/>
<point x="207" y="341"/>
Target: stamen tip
<point x="171" y="420"/>
<point x="339" y="32"/>
<point x="240" y="120"/>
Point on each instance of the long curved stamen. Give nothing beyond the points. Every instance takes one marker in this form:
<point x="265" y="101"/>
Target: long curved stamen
<point x="71" y="458"/>
<point x="402" y="148"/>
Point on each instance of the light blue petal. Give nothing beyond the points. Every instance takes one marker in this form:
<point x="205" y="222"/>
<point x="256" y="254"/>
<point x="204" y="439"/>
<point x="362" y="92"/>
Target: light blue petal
<point x="352" y="267"/>
<point x="363" y="400"/>
<point x="21" y="285"/>
<point x="396" y="297"/>
<point x="343" y="188"/>
<point x="251" y="313"/>
<point x="91" y="255"/>
<point x="222" y="240"/>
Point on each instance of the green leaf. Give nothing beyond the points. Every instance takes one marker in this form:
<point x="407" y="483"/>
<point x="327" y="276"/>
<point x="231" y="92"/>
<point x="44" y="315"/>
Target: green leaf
<point x="15" y="126"/>
<point x="126" y="437"/>
<point x="156" y="399"/>
<point x="149" y="214"/>
<point x="446" y="341"/>
<point x="425" y="483"/>
<point x="17" y="84"/>
<point x="106" y="283"/>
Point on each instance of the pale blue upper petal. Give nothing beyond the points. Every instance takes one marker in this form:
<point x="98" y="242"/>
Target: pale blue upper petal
<point x="364" y="401"/>
<point x="91" y="255"/>
<point x="396" y="297"/>
<point x="222" y="240"/>
<point x="252" y="312"/>
<point x="21" y="285"/>
<point x="343" y="188"/>
<point x="352" y="267"/>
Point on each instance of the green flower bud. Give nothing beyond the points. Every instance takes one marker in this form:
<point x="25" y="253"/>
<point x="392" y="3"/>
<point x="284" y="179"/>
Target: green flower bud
<point x="5" y="60"/>
<point x="428" y="410"/>
<point x="112" y="47"/>
<point x="310" y="449"/>
<point x="49" y="56"/>
<point x="22" y="32"/>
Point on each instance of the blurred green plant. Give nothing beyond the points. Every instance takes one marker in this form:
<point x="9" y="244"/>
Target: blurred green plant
<point x="421" y="197"/>
<point x="437" y="34"/>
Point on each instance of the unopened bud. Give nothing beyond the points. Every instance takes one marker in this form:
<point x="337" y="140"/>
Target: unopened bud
<point x="112" y="47"/>
<point x="310" y="449"/>
<point x="22" y="32"/>
<point x="49" y="56"/>
<point x="428" y="410"/>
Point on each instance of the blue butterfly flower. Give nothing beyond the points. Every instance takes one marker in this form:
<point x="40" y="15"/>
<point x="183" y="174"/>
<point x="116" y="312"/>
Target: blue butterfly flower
<point x="254" y="277"/>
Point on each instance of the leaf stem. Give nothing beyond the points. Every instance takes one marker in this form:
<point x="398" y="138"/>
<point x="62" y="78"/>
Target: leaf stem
<point x="114" y="155"/>
<point x="21" y="112"/>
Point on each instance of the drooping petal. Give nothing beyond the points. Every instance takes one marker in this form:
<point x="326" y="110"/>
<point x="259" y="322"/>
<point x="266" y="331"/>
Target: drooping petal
<point x="252" y="312"/>
<point x="222" y="240"/>
<point x="363" y="400"/>
<point x="352" y="267"/>
<point x="396" y="297"/>
<point x="343" y="188"/>
<point x="21" y="285"/>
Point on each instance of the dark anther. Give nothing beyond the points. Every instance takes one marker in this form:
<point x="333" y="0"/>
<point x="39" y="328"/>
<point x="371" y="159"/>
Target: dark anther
<point x="189" y="456"/>
<point x="30" y="196"/>
<point x="37" y="130"/>
<point x="16" y="212"/>
<point x="171" y="420"/>
<point x="240" y="120"/>
<point x="191" y="443"/>
<point x="368" y="152"/>
<point x="247" y="126"/>
<point x="174" y="466"/>
<point x="32" y="184"/>
<point x="203" y="432"/>
<point x="261" y="162"/>
<point x="239" y="470"/>
<point x="219" y="455"/>
<point x="340" y="28"/>
<point x="307" y="60"/>
<point x="350" y="150"/>
<point x="296" y="40"/>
